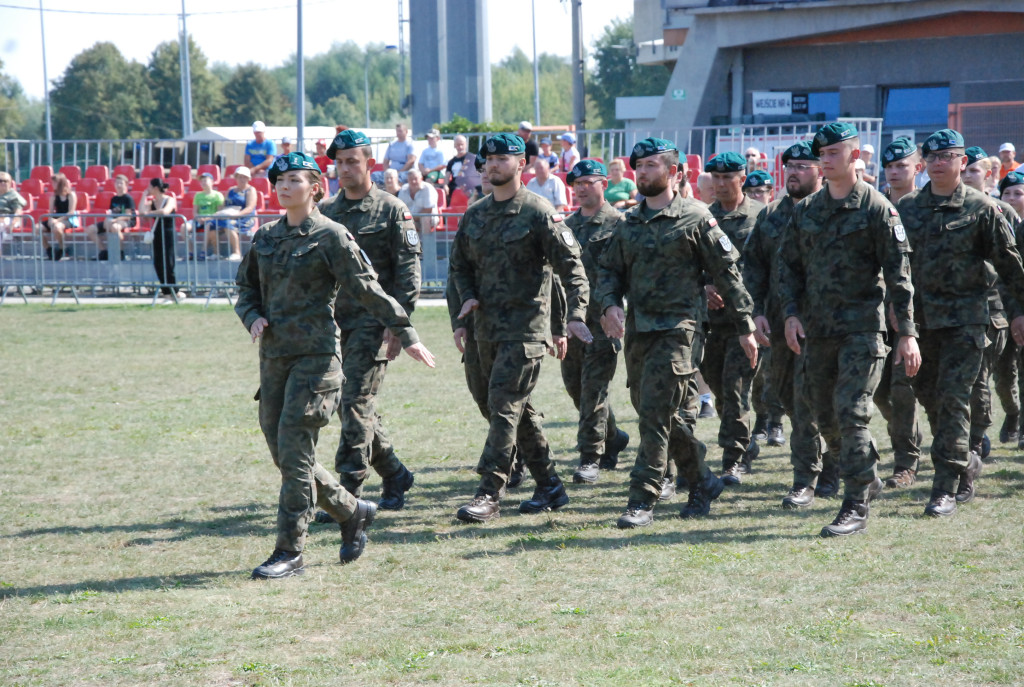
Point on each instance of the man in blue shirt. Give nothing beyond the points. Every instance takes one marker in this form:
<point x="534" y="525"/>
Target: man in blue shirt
<point x="432" y="161"/>
<point x="400" y="156"/>
<point x="260" y="152"/>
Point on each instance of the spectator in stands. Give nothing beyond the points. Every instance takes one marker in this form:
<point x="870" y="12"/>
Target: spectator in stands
<point x="462" y="171"/>
<point x="161" y="206"/>
<point x="992" y="183"/>
<point x="61" y="218"/>
<point x="621" y="191"/>
<point x="706" y="188"/>
<point x="206" y="204"/>
<point x="400" y="156"/>
<point x="570" y="154"/>
<point x="547" y="185"/>
<point x="432" y="162"/>
<point x="546" y="154"/>
<point x="531" y="153"/>
<point x="1007" y="153"/>
<point x="753" y="157"/>
<point x="858" y="167"/>
<point x="11" y="203"/>
<point x="241" y="202"/>
<point x="120" y="217"/>
<point x="421" y="199"/>
<point x="867" y="154"/>
<point x="392" y="182"/>
<point x="260" y="152"/>
<point x="286" y="145"/>
<point x="322" y="161"/>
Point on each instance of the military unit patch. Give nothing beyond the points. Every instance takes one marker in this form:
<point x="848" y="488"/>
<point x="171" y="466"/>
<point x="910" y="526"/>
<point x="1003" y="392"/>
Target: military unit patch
<point x="713" y="222"/>
<point x="725" y="243"/>
<point x="901" y="235"/>
<point x="568" y="237"/>
<point x="412" y="236"/>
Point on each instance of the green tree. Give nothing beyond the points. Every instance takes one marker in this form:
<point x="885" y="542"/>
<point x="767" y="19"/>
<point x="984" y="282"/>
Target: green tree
<point x="101" y="95"/>
<point x="253" y="93"/>
<point x="618" y="74"/>
<point x="165" y="85"/>
<point x="512" y="89"/>
<point x="11" y="97"/>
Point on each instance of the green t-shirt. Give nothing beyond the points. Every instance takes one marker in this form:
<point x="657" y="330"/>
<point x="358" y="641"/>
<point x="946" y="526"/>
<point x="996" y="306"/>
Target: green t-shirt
<point x="11" y="202"/>
<point x="620" y="191"/>
<point x="208" y="203"/>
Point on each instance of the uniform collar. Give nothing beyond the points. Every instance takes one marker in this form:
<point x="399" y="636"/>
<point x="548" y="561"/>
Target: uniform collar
<point x="281" y="229"/>
<point x="511" y="207"/>
<point x="925" y="198"/>
<point x="599" y="217"/>
<point x="742" y="210"/>
<point x="341" y="203"/>
<point x="674" y="209"/>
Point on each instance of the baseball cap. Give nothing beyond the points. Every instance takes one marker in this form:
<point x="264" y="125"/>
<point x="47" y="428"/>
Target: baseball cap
<point x="568" y="137"/>
<point x="244" y="171"/>
<point x="1007" y="146"/>
<point x="433" y="133"/>
<point x="258" y="126"/>
<point x="525" y="125"/>
<point x="285" y="139"/>
<point x="868" y="148"/>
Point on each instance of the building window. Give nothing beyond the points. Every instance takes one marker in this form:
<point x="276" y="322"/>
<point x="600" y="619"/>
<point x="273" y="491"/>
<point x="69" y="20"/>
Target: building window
<point x="908" y="107"/>
<point x="826" y="103"/>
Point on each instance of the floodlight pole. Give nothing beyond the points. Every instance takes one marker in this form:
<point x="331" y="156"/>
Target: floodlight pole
<point x="300" y="89"/>
<point x="46" y="88"/>
<point x="536" y="74"/>
<point x="186" y="78"/>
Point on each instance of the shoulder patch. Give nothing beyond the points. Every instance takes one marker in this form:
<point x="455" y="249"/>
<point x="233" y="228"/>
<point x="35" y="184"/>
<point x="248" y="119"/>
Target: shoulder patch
<point x="725" y="243"/>
<point x="713" y="222"/>
<point x="557" y="217"/>
<point x="567" y="237"/>
<point x="901" y="234"/>
<point x="892" y="212"/>
<point x="406" y="215"/>
<point x="412" y="237"/>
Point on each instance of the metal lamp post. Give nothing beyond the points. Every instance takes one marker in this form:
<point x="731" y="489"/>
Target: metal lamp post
<point x="366" y="76"/>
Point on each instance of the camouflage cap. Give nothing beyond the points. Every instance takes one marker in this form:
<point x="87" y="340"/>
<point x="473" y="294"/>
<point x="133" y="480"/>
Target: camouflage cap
<point x="833" y="133"/>
<point x="1011" y="179"/>
<point x="586" y="168"/>
<point x="349" y="138"/>
<point x="726" y="162"/>
<point x="943" y="139"/>
<point x="758" y="178"/>
<point x="897" y="150"/>
<point x="975" y="153"/>
<point x="649" y="147"/>
<point x="503" y="144"/>
<point x="799" y="151"/>
<point x="286" y="163"/>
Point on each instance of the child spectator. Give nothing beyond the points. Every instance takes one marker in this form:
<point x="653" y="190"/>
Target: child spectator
<point x="241" y="203"/>
<point x="570" y="154"/>
<point x="120" y="217"/>
<point x="432" y="162"/>
<point x="206" y="204"/>
<point x="546" y="154"/>
<point x="61" y="218"/>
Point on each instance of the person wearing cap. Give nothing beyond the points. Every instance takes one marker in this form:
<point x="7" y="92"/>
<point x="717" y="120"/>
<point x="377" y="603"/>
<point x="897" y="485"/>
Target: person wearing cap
<point x="1000" y="358"/>
<point x="400" y="155"/>
<point x="1007" y="159"/>
<point x="432" y="162"/>
<point x="837" y="249"/>
<point x="726" y="367"/>
<point x="503" y="255"/>
<point x="655" y="260"/>
<point x="759" y="186"/>
<point x="259" y="152"/>
<point x="570" y="154"/>
<point x="546" y="154"/>
<point x="954" y="230"/>
<point x="205" y="205"/>
<point x="894" y="397"/>
<point x="548" y="186"/>
<point x="588" y="369"/>
<point x="525" y="132"/>
<point x="298" y="268"/>
<point x="814" y="473"/>
<point x="240" y="202"/>
<point x="867" y="154"/>
<point x="286" y="145"/>
<point x="322" y="161"/>
<point x="385" y="231"/>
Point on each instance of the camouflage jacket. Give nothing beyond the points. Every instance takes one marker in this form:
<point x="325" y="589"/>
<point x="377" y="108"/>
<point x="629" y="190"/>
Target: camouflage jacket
<point x="952" y="238"/>
<point x="291" y="276"/>
<point x="657" y="265"/>
<point x="737" y="225"/>
<point x="593" y="235"/>
<point x="384" y="229"/>
<point x="503" y="256"/>
<point x="836" y="260"/>
<point x="451" y="295"/>
<point x="997" y="295"/>
<point x="760" y="269"/>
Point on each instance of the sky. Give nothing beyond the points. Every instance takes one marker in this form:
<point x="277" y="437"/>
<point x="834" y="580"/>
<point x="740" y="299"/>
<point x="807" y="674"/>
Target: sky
<point x="262" y="31"/>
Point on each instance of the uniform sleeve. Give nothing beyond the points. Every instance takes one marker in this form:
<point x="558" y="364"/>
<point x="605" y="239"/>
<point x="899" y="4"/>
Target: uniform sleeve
<point x="1001" y="251"/>
<point x="249" y="305"/>
<point x="757" y="265"/>
<point x="894" y="257"/>
<point x="611" y="272"/>
<point x="791" y="268"/>
<point x="558" y="307"/>
<point x="1014" y="308"/>
<point x="719" y="258"/>
<point x="407" y="250"/>
<point x="460" y="271"/>
<point x="451" y="295"/>
<point x="563" y="252"/>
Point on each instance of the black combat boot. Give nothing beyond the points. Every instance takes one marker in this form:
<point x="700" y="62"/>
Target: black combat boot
<point x="482" y="508"/>
<point x="776" y="437"/>
<point x="587" y="473"/>
<point x="852" y="519"/>
<point x="637" y="515"/>
<point x="940" y="504"/>
<point x="751" y="454"/>
<point x="698" y="504"/>
<point x="612" y="448"/>
<point x="828" y="482"/>
<point x="353" y="531"/>
<point x="760" y="430"/>
<point x="800" y="496"/>
<point x="965" y="490"/>
<point x="280" y="564"/>
<point x="392" y="492"/>
<point x="1009" y="433"/>
<point x="549" y="495"/>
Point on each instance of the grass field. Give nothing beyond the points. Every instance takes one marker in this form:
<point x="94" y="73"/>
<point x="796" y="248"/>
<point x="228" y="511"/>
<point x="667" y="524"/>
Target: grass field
<point x="138" y="495"/>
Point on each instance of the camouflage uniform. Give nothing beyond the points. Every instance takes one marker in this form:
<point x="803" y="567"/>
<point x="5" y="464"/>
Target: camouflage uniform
<point x="384" y="229"/>
<point x="1004" y="364"/>
<point x="502" y="256"/>
<point x="291" y="277"/>
<point x="761" y="277"/>
<point x="656" y="264"/>
<point x="725" y="366"/>
<point x="587" y="370"/>
<point x="952" y="238"/>
<point x="833" y="256"/>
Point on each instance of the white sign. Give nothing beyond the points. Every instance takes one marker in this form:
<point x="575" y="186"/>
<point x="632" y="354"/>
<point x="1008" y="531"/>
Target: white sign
<point x="772" y="103"/>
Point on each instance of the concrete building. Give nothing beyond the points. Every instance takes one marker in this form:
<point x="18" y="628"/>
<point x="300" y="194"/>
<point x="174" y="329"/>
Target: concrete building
<point x="451" y="67"/>
<point x="918" y="64"/>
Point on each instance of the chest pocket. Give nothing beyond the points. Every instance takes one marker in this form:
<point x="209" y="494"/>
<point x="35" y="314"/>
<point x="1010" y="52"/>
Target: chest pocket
<point x="475" y="228"/>
<point x="267" y="253"/>
<point x="515" y="237"/>
<point x="371" y="223"/>
<point x="957" y="235"/>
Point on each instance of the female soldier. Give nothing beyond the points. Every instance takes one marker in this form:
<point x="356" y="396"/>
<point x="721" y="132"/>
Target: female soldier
<point x="287" y="286"/>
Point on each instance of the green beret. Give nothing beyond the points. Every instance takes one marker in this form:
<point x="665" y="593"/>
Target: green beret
<point x="799" y="151"/>
<point x="503" y="144"/>
<point x="897" y="150"/>
<point x="1011" y="179"/>
<point x="649" y="147"/>
<point x="586" y="168"/>
<point x="833" y="133"/>
<point x="726" y="162"/>
<point x="292" y="161"/>
<point x="974" y="153"/>
<point x="757" y="179"/>
<point x="349" y="138"/>
<point x="943" y="139"/>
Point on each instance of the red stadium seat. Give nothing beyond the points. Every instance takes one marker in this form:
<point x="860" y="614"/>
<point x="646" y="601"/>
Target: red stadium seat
<point x="225" y="185"/>
<point x="98" y="172"/>
<point x="229" y="171"/>
<point x="139" y="184"/>
<point x="152" y="172"/>
<point x="127" y="170"/>
<point x="183" y="172"/>
<point x="261" y="184"/>
<point x="212" y="169"/>
<point x="459" y="200"/>
<point x="72" y="172"/>
<point x="43" y="173"/>
<point x="176" y="186"/>
<point x="33" y="186"/>
<point x="88" y="185"/>
<point x="103" y="199"/>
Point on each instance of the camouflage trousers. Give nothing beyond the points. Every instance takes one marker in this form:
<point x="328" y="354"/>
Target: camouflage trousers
<point x="659" y="367"/>
<point x="298" y="395"/>
<point x="475" y="378"/>
<point x="364" y="443"/>
<point x="840" y="375"/>
<point x="684" y="451"/>
<point x="981" y="392"/>
<point x="587" y="372"/>
<point x="786" y="378"/>
<point x="896" y="400"/>
<point x="727" y="371"/>
<point x="512" y="369"/>
<point x="951" y="360"/>
<point x="1006" y="373"/>
<point x="763" y="397"/>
